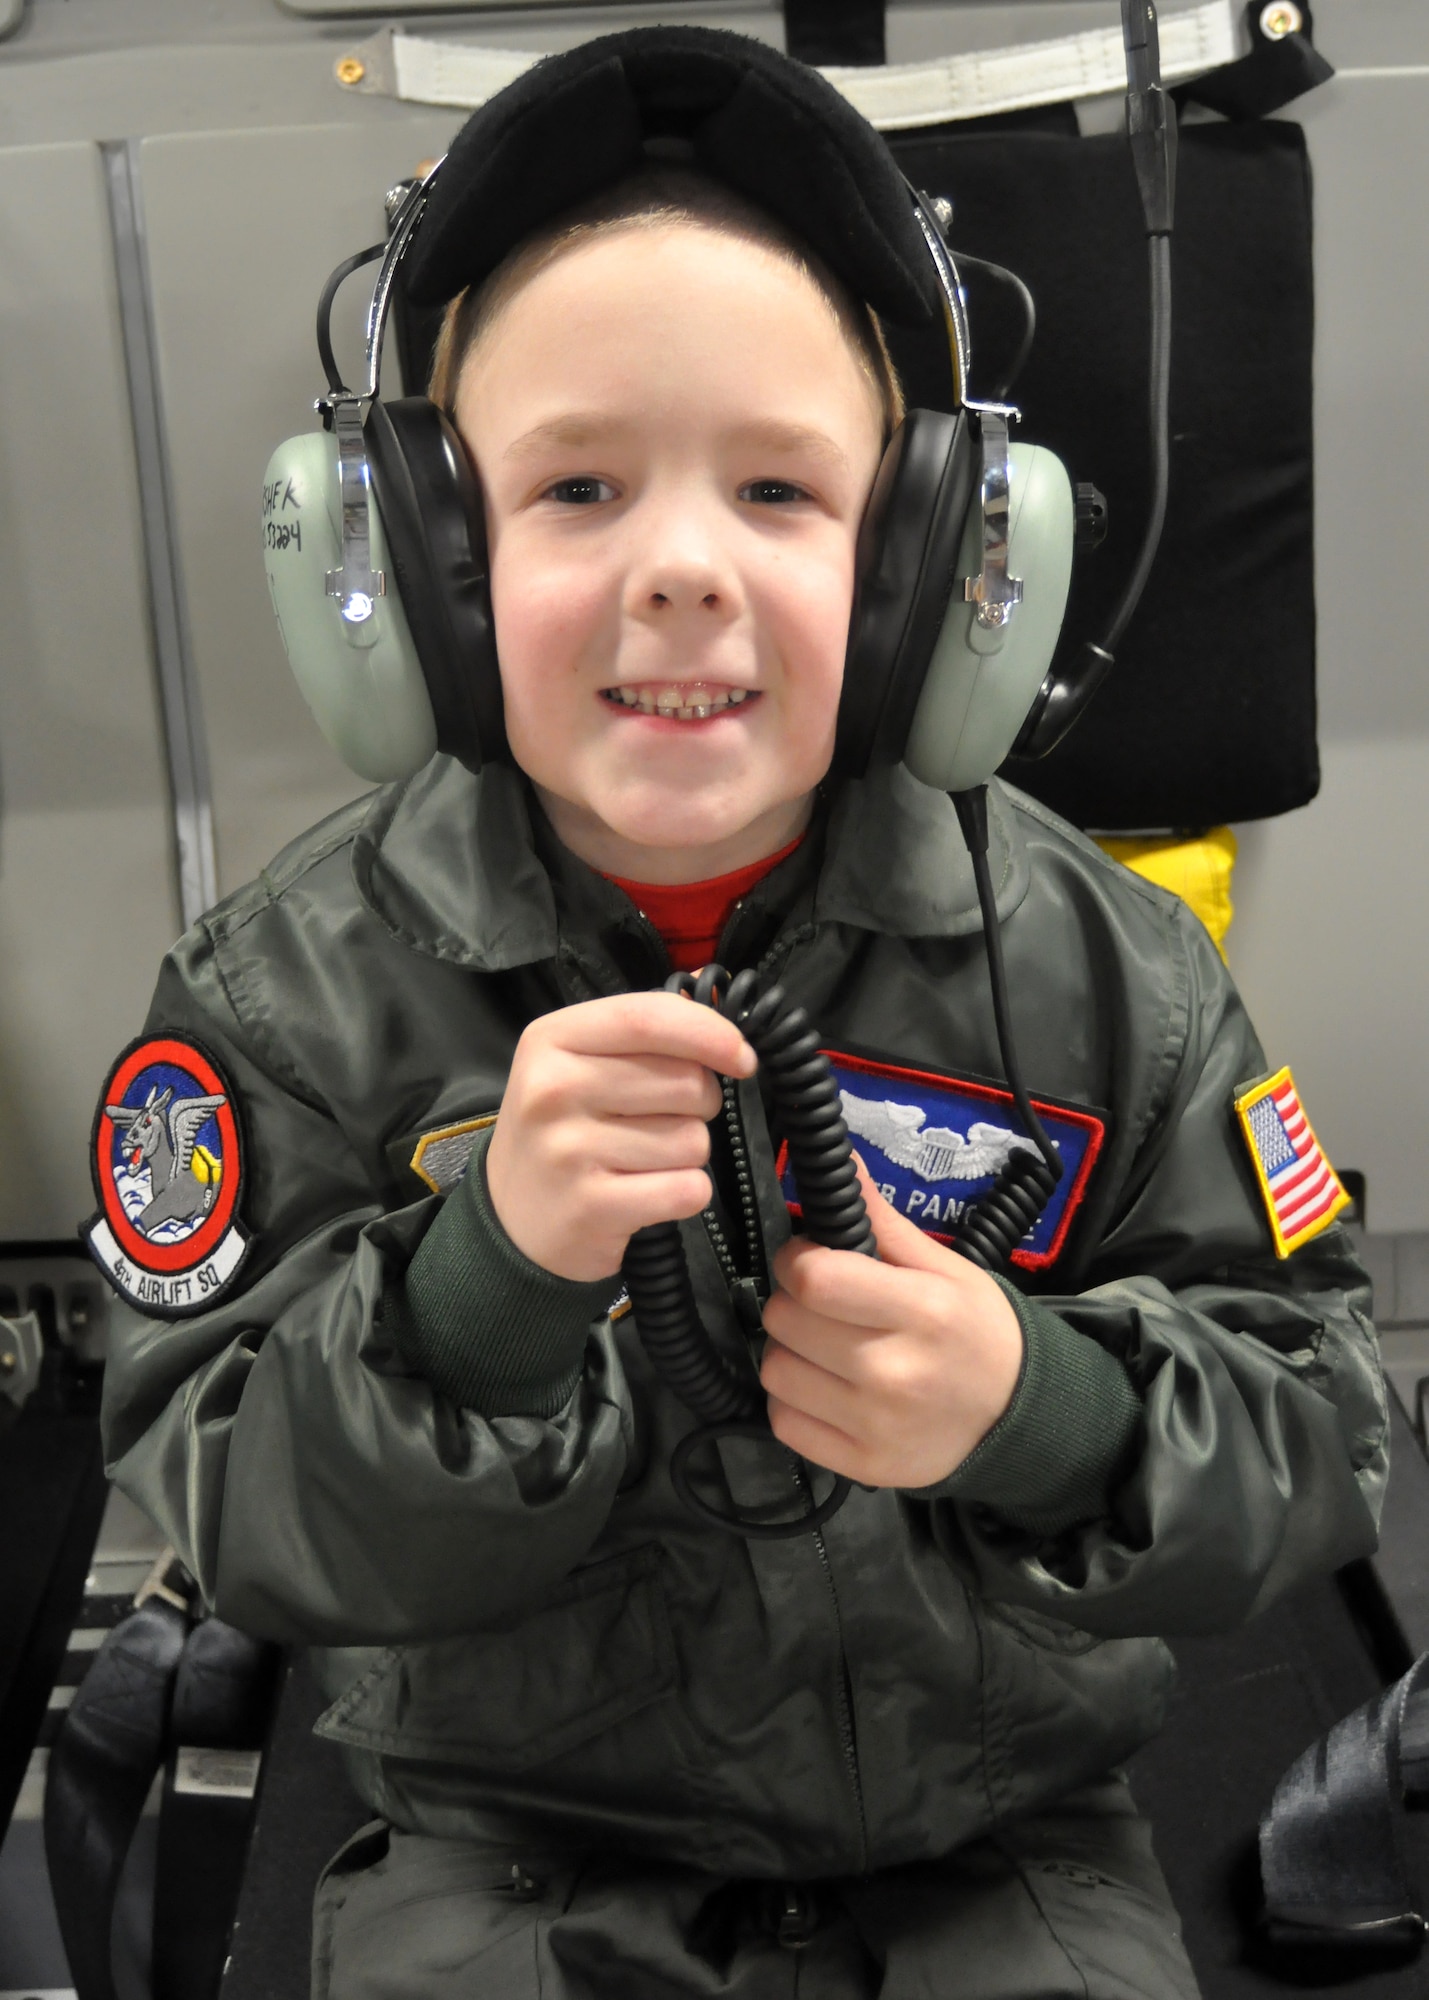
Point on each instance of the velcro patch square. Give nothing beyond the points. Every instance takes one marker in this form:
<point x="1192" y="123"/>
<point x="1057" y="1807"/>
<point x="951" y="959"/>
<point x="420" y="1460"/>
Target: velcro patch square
<point x="1301" y="1190"/>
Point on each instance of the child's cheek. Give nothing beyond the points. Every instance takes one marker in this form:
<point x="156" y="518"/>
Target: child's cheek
<point x="807" y="610"/>
<point x="550" y="615"/>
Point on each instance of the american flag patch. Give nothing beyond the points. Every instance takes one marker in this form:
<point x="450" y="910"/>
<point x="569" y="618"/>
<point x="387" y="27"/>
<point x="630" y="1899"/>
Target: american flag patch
<point x="1302" y="1193"/>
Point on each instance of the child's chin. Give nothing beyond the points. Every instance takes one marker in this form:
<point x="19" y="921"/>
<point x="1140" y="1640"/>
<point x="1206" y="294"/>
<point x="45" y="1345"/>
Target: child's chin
<point x="678" y="816"/>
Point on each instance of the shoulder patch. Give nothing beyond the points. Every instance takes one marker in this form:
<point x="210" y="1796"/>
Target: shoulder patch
<point x="167" y="1161"/>
<point x="442" y="1156"/>
<point x="934" y="1144"/>
<point x="1301" y="1190"/>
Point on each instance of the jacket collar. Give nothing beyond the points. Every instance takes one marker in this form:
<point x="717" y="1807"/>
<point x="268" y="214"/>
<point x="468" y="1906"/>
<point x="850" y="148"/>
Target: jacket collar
<point x="449" y="864"/>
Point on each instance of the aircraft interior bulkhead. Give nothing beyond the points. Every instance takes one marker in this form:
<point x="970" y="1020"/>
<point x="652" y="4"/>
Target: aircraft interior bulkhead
<point x="1181" y="251"/>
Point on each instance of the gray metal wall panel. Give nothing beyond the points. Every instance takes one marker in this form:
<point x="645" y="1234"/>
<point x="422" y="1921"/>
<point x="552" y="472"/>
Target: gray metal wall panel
<point x="1328" y="943"/>
<point x="86" y="900"/>
<point x="1331" y="939"/>
<point x="90" y="69"/>
<point x="243" y="227"/>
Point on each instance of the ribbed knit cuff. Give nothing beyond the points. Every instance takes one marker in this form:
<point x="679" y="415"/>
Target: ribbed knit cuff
<point x="490" y="1330"/>
<point x="1054" y="1455"/>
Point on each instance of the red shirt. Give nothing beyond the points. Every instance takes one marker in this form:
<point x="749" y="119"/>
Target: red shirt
<point x="691" y="915"/>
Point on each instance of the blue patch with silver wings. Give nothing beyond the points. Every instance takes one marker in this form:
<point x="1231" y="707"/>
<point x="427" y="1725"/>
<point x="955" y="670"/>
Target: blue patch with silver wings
<point x="934" y="1145"/>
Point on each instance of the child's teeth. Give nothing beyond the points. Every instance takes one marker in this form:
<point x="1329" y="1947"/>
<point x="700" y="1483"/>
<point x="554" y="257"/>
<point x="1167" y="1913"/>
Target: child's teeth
<point x="675" y="702"/>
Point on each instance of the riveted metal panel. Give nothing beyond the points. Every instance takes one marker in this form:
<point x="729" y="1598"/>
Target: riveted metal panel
<point x="242" y="230"/>
<point x="86" y="895"/>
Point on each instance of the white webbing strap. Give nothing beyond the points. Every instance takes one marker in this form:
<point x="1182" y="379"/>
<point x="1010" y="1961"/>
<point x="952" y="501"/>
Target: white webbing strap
<point x="1016" y="79"/>
<point x="896" y="96"/>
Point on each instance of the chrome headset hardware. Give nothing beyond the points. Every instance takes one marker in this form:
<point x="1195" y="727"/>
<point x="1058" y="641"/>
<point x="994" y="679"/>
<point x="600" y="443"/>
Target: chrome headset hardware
<point x="945" y="680"/>
<point x="964" y="561"/>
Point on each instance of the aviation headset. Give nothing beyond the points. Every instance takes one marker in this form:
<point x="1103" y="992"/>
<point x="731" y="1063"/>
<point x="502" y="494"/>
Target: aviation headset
<point x="947" y="680"/>
<point x="966" y="547"/>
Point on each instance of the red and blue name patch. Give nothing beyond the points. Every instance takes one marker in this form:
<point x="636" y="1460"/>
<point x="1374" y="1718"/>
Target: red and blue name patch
<point x="167" y="1162"/>
<point x="935" y="1144"/>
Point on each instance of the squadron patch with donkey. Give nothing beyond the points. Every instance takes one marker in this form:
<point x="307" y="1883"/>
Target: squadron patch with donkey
<point x="166" y="1156"/>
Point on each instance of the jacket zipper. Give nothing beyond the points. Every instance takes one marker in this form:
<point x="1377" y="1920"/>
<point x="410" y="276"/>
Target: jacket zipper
<point x="848" y="1742"/>
<point x="754" y="1235"/>
<point x="744" y="1179"/>
<point x="845" y="1706"/>
<point x="844" y="1691"/>
<point x="720" y="1244"/>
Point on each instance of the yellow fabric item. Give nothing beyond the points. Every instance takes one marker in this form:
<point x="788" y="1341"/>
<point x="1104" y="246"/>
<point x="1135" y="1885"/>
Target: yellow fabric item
<point x="1198" y="871"/>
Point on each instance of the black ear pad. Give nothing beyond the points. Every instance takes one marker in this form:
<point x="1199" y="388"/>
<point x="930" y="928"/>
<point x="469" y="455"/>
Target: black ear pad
<point x="907" y="556"/>
<point x="430" y="503"/>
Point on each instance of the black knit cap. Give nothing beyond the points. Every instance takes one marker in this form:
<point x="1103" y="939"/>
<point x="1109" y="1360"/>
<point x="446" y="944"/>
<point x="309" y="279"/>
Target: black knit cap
<point x="765" y="125"/>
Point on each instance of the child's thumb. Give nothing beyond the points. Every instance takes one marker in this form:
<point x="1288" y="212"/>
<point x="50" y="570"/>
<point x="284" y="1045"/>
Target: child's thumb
<point x="899" y="1241"/>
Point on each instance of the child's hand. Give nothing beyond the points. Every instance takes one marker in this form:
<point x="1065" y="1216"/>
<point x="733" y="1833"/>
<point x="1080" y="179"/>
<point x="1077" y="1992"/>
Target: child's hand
<point x="602" y="1128"/>
<point x="887" y="1372"/>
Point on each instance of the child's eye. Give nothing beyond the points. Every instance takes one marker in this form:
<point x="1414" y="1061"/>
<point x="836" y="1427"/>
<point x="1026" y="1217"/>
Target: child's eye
<point x="582" y="490"/>
<point x="772" y="492"/>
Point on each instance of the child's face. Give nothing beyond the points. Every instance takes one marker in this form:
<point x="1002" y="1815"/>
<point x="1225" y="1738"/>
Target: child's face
<point x="675" y="443"/>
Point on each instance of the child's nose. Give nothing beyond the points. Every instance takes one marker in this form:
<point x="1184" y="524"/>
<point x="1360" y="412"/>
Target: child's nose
<point x="659" y="599"/>
<point x="687" y="573"/>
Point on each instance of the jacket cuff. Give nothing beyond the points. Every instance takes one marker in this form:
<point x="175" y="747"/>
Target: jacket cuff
<point x="490" y="1330"/>
<point x="1054" y="1456"/>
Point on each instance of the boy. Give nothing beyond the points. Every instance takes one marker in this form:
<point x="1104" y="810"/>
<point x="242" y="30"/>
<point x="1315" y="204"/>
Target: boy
<point x="613" y="1751"/>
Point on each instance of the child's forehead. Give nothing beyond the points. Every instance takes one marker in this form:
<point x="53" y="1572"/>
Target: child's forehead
<point x="679" y="307"/>
<point x="679" y="262"/>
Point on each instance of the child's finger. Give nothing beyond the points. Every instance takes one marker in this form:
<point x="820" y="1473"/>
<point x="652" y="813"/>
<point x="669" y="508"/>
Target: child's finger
<point x="644" y="1086"/>
<point x="835" y="1287"/>
<point x="900" y="1241"/>
<point x="657" y="1024"/>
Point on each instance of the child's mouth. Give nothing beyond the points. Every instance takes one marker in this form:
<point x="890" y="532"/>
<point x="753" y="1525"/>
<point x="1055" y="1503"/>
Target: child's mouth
<point x="679" y="701"/>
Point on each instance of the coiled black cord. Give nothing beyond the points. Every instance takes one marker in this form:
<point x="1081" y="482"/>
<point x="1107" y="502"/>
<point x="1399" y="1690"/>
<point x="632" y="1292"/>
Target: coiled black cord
<point x="728" y="1400"/>
<point x="672" y="1334"/>
<point x="989" y="1233"/>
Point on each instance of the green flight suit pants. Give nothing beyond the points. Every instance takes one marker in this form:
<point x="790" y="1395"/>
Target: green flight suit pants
<point x="1069" y="1905"/>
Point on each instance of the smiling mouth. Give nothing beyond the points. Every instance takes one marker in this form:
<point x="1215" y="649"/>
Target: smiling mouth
<point x="679" y="701"/>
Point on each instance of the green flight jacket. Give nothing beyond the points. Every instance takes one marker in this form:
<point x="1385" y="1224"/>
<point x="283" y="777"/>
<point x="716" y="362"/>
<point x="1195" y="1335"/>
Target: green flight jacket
<point x="524" y="1633"/>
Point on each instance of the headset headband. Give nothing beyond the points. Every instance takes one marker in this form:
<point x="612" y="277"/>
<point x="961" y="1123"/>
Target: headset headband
<point x="356" y="584"/>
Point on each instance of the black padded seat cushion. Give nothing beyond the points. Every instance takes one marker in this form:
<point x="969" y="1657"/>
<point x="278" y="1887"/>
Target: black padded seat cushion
<point x="1210" y="714"/>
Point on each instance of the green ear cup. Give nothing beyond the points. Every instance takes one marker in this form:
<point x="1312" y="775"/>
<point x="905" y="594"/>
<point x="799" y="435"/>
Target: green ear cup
<point x="363" y="683"/>
<point x="982" y="681"/>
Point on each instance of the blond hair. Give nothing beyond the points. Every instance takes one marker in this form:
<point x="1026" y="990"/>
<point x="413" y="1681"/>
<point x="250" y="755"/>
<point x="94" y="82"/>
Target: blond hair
<point x="651" y="198"/>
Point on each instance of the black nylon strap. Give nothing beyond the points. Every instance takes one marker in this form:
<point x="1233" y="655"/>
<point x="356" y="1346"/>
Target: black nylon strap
<point x="156" y="1682"/>
<point x="1275" y="73"/>
<point x="834" y="31"/>
<point x="1332" y="1850"/>
<point x="100" y="1770"/>
<point x="223" y="1697"/>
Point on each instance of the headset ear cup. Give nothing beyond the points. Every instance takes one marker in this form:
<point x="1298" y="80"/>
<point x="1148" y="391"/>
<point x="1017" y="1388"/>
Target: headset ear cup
<point x="430" y="504"/>
<point x="907" y="556"/>
<point x="363" y="683"/>
<point x="981" y="683"/>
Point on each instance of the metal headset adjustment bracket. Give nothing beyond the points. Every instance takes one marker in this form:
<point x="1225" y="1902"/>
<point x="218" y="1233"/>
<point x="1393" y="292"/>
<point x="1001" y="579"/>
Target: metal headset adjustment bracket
<point x="995" y="593"/>
<point x="357" y="585"/>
